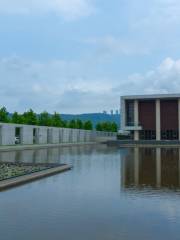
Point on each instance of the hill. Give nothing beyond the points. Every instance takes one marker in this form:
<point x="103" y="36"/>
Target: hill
<point x="93" y="117"/>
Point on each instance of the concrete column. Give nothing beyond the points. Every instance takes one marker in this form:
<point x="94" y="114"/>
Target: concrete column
<point x="136" y="119"/>
<point x="123" y="114"/>
<point x="7" y="132"/>
<point x="136" y="166"/>
<point x="55" y="135"/>
<point x="27" y="134"/>
<point x="49" y="135"/>
<point x="81" y="137"/>
<point x="61" y="135"/>
<point x="70" y="135"/>
<point x="158" y="120"/>
<point x="74" y="135"/>
<point x="42" y="139"/>
<point x="158" y="167"/>
<point x="179" y="117"/>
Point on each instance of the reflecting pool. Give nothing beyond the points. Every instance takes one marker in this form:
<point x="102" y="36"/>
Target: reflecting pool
<point x="110" y="194"/>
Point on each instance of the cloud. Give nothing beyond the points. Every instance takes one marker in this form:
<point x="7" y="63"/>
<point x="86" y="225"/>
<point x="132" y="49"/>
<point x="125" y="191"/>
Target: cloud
<point x="52" y="85"/>
<point x="157" y="14"/>
<point x="68" y="9"/>
<point x="71" y="87"/>
<point x="163" y="79"/>
<point x="111" y="45"/>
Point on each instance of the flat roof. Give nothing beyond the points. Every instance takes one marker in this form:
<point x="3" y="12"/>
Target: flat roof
<point x="152" y="96"/>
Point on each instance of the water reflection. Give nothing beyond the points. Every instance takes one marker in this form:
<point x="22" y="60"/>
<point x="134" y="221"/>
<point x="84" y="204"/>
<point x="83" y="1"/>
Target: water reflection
<point x="51" y="155"/>
<point x="151" y="167"/>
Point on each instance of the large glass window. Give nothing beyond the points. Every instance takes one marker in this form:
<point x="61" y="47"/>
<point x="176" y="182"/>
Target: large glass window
<point x="169" y="135"/>
<point x="130" y="113"/>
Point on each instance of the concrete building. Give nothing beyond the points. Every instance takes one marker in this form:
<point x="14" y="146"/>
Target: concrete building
<point x="151" y="117"/>
<point x="13" y="134"/>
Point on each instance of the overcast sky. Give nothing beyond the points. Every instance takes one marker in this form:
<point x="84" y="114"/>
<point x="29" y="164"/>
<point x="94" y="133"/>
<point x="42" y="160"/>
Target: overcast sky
<point x="77" y="56"/>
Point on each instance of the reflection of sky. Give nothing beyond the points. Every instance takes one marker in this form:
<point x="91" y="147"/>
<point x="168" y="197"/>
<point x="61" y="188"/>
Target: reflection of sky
<point x="87" y="202"/>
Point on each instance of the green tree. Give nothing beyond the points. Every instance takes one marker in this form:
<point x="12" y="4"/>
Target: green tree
<point x="56" y="120"/>
<point x="107" y="127"/>
<point x="64" y="124"/>
<point x="79" y="124"/>
<point x="88" y="125"/>
<point x="44" y="119"/>
<point x="4" y="117"/>
<point x="17" y="118"/>
<point x="72" y="124"/>
<point x="114" y="127"/>
<point x="30" y="117"/>
<point x="98" y="127"/>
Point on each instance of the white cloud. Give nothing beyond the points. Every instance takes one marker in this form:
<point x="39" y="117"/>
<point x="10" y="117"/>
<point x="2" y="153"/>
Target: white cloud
<point x="69" y="9"/>
<point x="54" y="85"/>
<point x="163" y="79"/>
<point x="111" y="45"/>
<point x="72" y="87"/>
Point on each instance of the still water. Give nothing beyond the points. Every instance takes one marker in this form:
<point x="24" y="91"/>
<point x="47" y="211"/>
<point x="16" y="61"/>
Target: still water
<point x="110" y="194"/>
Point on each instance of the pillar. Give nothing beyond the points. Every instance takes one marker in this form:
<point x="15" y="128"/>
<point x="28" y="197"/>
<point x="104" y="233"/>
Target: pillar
<point x="55" y="135"/>
<point x="158" y="120"/>
<point x="158" y="167"/>
<point x="27" y="134"/>
<point x="43" y="135"/>
<point x="179" y="117"/>
<point x="136" y="120"/>
<point x="123" y="114"/>
<point x="7" y="134"/>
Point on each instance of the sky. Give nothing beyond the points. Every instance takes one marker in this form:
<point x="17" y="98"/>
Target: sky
<point x="80" y="56"/>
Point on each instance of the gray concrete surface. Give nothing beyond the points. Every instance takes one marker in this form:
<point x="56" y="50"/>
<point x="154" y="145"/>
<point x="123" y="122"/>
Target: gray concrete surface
<point x="6" y="184"/>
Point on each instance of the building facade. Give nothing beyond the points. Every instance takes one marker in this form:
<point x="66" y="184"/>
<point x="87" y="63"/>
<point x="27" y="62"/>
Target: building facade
<point x="151" y="117"/>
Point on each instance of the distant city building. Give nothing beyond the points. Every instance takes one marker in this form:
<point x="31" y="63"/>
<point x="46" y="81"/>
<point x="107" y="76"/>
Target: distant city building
<point x="104" y="112"/>
<point x="111" y="112"/>
<point x="117" y="112"/>
<point x="151" y="117"/>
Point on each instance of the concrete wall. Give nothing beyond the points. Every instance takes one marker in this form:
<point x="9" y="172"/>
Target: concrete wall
<point x="55" y="135"/>
<point x="81" y="135"/>
<point x="65" y="135"/>
<point x="75" y="133"/>
<point x="51" y="135"/>
<point x="7" y="134"/>
<point x="27" y="135"/>
<point x="42" y="136"/>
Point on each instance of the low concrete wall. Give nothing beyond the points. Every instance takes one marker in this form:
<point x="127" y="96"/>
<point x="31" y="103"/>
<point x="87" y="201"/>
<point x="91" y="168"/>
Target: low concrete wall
<point x="26" y="134"/>
<point x="42" y="137"/>
<point x="49" y="135"/>
<point x="7" y="134"/>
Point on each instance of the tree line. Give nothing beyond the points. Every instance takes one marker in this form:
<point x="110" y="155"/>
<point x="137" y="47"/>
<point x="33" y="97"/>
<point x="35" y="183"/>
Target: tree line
<point x="45" y="119"/>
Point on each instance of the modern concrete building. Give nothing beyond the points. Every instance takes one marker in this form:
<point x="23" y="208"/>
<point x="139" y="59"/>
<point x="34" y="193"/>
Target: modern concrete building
<point x="151" y="117"/>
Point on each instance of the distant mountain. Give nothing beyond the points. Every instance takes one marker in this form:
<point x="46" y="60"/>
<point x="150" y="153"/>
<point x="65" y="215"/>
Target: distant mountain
<point x="93" y="117"/>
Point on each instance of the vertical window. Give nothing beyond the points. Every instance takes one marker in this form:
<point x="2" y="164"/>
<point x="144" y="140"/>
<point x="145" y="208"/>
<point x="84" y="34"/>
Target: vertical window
<point x="130" y="113"/>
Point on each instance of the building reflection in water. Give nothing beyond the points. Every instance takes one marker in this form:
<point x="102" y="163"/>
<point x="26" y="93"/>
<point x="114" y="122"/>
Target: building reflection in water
<point x="47" y="155"/>
<point x="151" y="167"/>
